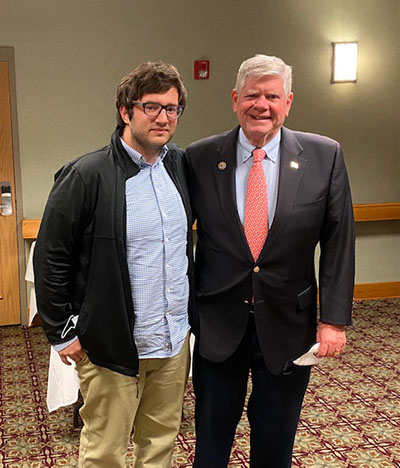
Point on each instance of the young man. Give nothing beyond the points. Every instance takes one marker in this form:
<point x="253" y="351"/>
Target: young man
<point x="264" y="196"/>
<point x="113" y="269"/>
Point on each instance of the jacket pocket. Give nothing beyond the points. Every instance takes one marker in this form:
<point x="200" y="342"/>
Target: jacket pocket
<point x="304" y="299"/>
<point x="310" y="205"/>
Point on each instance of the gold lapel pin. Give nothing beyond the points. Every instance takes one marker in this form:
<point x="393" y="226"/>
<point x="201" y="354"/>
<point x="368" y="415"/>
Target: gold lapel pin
<point x="222" y="165"/>
<point x="294" y="164"/>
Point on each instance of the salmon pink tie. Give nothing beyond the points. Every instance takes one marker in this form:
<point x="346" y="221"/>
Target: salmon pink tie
<point x="256" y="208"/>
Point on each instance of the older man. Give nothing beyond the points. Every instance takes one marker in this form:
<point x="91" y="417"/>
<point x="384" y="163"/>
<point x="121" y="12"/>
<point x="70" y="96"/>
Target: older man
<point x="264" y="196"/>
<point x="112" y="268"/>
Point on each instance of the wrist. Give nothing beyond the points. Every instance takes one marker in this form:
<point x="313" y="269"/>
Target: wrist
<point x="334" y="326"/>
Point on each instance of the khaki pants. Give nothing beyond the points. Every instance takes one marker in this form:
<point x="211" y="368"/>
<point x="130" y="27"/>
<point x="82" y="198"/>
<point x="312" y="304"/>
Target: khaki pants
<point x="114" y="403"/>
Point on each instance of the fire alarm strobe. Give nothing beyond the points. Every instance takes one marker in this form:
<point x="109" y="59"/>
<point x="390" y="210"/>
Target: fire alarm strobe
<point x="201" y="69"/>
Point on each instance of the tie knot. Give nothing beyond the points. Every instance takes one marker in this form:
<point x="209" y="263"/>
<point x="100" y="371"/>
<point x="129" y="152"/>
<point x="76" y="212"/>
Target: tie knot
<point x="258" y="155"/>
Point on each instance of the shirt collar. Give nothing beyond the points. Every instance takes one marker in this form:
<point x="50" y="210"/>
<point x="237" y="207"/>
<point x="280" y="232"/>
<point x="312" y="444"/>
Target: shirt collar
<point x="246" y="148"/>
<point x="138" y="159"/>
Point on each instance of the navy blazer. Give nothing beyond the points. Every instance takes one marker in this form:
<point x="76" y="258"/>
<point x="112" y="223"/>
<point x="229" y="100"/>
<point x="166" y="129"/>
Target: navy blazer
<point x="313" y="206"/>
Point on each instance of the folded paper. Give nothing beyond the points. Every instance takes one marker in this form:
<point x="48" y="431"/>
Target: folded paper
<point x="309" y="358"/>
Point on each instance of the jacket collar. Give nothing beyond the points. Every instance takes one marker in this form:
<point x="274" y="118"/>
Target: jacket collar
<point x="125" y="162"/>
<point x="122" y="158"/>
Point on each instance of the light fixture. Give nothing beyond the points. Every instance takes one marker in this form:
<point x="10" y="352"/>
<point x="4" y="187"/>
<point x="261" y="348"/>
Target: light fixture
<point x="344" y="62"/>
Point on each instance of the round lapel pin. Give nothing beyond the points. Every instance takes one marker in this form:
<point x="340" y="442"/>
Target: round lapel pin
<point x="222" y="165"/>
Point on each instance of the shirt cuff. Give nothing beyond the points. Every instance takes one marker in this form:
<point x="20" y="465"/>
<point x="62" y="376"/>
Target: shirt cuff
<point x="61" y="346"/>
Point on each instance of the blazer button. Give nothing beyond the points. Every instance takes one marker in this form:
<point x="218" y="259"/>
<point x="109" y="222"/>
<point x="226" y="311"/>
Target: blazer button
<point x="256" y="269"/>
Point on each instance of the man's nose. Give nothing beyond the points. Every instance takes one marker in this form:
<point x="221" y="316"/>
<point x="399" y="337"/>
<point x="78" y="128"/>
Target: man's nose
<point x="162" y="116"/>
<point x="262" y="102"/>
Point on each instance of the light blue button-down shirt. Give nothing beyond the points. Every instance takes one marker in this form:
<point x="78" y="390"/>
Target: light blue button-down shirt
<point x="270" y="164"/>
<point x="156" y="238"/>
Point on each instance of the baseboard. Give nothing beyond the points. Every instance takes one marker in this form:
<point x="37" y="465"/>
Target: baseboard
<point x="376" y="290"/>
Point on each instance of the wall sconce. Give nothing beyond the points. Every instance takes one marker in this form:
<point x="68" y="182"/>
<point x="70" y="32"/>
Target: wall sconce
<point x="344" y="62"/>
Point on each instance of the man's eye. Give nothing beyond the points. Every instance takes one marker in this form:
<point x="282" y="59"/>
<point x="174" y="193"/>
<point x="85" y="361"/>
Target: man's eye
<point x="152" y="107"/>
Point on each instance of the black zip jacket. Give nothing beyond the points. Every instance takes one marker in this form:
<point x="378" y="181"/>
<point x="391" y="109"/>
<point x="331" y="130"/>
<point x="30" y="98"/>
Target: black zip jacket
<point x="80" y="255"/>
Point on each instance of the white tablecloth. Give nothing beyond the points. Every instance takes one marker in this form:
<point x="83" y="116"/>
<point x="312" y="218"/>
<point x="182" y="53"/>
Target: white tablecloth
<point x="29" y="277"/>
<point x="63" y="383"/>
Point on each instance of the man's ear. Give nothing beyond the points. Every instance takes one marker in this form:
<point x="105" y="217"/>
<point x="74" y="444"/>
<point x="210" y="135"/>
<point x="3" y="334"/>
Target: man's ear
<point x="124" y="113"/>
<point x="289" y="101"/>
<point x="234" y="100"/>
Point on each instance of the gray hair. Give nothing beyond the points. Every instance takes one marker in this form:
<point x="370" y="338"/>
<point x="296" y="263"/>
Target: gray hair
<point x="263" y="65"/>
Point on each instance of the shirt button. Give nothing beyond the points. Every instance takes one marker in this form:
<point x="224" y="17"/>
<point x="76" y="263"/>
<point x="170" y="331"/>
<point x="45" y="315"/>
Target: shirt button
<point x="168" y="290"/>
<point x="167" y="265"/>
<point x="256" y="269"/>
<point x="166" y="240"/>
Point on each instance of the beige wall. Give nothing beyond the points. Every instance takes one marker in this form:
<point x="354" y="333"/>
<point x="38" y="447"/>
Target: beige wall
<point x="71" y="54"/>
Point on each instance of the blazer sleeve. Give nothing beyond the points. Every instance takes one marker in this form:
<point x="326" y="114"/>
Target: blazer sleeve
<point x="56" y="254"/>
<point x="337" y="242"/>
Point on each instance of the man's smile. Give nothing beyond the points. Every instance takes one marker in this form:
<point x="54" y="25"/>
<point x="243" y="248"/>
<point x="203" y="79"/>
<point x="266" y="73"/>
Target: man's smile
<point x="260" y="117"/>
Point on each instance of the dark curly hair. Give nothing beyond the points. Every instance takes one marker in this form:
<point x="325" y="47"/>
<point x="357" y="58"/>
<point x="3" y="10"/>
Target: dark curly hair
<point x="147" y="78"/>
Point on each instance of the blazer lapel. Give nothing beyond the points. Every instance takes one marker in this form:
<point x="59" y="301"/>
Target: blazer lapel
<point x="223" y="171"/>
<point x="292" y="164"/>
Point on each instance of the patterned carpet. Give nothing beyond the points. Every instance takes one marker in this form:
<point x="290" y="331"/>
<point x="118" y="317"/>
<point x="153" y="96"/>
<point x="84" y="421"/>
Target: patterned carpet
<point x="351" y="415"/>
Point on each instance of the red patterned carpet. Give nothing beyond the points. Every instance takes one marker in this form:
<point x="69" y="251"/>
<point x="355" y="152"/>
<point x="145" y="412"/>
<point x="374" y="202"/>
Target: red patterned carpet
<point x="351" y="415"/>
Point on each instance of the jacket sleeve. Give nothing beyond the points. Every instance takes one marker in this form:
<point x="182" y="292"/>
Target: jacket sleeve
<point x="190" y="180"/>
<point x="337" y="259"/>
<point x="55" y="254"/>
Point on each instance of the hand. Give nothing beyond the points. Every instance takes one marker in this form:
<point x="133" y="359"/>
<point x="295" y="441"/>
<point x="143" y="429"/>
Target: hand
<point x="332" y="339"/>
<point x="73" y="351"/>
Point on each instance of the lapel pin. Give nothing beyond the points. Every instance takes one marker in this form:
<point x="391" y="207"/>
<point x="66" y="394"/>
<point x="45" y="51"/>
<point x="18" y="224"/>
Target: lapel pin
<point x="222" y="165"/>
<point x="294" y="164"/>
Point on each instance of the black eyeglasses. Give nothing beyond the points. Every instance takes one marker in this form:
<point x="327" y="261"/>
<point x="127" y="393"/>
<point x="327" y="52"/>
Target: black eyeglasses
<point x="153" y="109"/>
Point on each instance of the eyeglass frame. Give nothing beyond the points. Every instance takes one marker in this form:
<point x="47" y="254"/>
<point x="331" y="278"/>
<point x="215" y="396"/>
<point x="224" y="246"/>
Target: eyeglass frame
<point x="178" y="107"/>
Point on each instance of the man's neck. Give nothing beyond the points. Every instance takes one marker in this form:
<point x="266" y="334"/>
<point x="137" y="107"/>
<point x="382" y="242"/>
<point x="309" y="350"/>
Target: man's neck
<point x="149" y="154"/>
